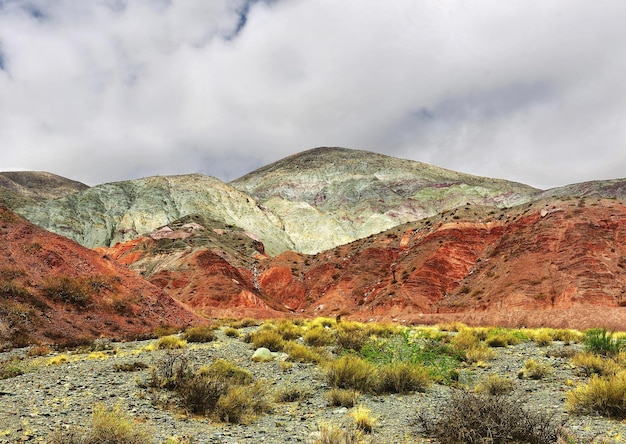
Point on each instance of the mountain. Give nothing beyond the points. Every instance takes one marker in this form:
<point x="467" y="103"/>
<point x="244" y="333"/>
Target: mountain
<point x="554" y="262"/>
<point x="54" y="290"/>
<point x="331" y="196"/>
<point x="18" y="188"/>
<point x="308" y="203"/>
<point x="106" y="214"/>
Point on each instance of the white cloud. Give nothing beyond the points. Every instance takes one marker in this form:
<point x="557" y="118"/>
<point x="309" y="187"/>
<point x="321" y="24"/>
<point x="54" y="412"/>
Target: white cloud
<point x="107" y="90"/>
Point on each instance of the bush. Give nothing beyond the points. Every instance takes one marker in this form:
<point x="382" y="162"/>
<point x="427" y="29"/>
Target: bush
<point x="270" y="339"/>
<point x="200" y="393"/>
<point x="534" y="370"/>
<point x="223" y="369"/>
<point x="351" y="339"/>
<point x="363" y="419"/>
<point x="242" y="403"/>
<point x="65" y="289"/>
<point x="10" y="370"/>
<point x="319" y="336"/>
<point x="288" y="330"/>
<point x="601" y="342"/>
<point x="605" y="395"/>
<point x="338" y="397"/>
<point x="496" y="385"/>
<point x="479" y="353"/>
<point x="334" y="434"/>
<point x="170" y="343"/>
<point x="231" y="332"/>
<point x="293" y="393"/>
<point x="302" y="353"/>
<point x="464" y="340"/>
<point x="352" y="372"/>
<point x="591" y="363"/>
<point x="479" y="418"/>
<point x="199" y="334"/>
<point x="108" y="426"/>
<point x="403" y="378"/>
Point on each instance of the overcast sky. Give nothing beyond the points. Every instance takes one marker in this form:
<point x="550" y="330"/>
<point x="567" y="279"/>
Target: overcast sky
<point x="105" y="90"/>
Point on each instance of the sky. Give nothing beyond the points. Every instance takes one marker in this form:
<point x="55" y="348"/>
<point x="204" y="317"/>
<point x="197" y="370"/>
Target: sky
<point x="104" y="90"/>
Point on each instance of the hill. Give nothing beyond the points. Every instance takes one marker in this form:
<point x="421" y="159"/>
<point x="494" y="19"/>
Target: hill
<point x="54" y="290"/>
<point x="19" y="188"/>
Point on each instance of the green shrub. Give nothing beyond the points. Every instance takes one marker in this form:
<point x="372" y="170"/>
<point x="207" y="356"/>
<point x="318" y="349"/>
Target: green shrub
<point x="601" y="342"/>
<point x="10" y="370"/>
<point x="605" y="395"/>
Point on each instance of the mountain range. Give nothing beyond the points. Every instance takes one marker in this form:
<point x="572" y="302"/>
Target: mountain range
<point x="333" y="231"/>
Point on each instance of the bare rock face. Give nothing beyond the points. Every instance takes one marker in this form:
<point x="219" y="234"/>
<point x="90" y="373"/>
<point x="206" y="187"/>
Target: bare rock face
<point x="121" y="211"/>
<point x="330" y="196"/>
<point x="54" y="290"/>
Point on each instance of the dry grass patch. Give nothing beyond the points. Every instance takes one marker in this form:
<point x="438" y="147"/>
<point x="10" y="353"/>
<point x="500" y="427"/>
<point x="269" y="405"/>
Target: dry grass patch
<point x="535" y="370"/>
<point x="268" y="338"/>
<point x="496" y="385"/>
<point x="319" y="336"/>
<point x="590" y="363"/>
<point x="363" y="419"/>
<point x="338" y="397"/>
<point x="403" y="377"/>
<point x="301" y="353"/>
<point x="171" y="342"/>
<point x="352" y="372"/>
<point x="605" y="395"/>
<point x="200" y="334"/>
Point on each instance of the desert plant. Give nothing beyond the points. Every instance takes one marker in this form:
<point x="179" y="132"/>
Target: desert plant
<point x="534" y="370"/>
<point x="10" y="369"/>
<point x="542" y="337"/>
<point x="334" y="434"/>
<point x="267" y="338"/>
<point x="605" y="395"/>
<point x="199" y="334"/>
<point x="227" y="370"/>
<point x="231" y="332"/>
<point x="108" y="426"/>
<point x="200" y="393"/>
<point x="338" y="397"/>
<point x="66" y="289"/>
<point x="591" y="363"/>
<point x="135" y="366"/>
<point x="319" y="336"/>
<point x="170" y="371"/>
<point x="288" y="330"/>
<point x="302" y="353"/>
<point x="601" y="342"/>
<point x="351" y="338"/>
<point x="464" y="340"/>
<point x="242" y="403"/>
<point x="292" y="393"/>
<point x="170" y="343"/>
<point x="352" y="372"/>
<point x="403" y="377"/>
<point x="363" y="419"/>
<point x="479" y="353"/>
<point x="496" y="385"/>
<point x="474" y="418"/>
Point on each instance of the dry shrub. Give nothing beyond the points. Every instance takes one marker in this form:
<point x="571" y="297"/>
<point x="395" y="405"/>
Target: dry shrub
<point x="199" y="334"/>
<point x="605" y="395"/>
<point x="403" y="377"/>
<point x="292" y="393"/>
<point x="223" y="369"/>
<point x="335" y="434"/>
<point x="39" y="350"/>
<point x="480" y="418"/>
<point x="245" y="322"/>
<point x="242" y="403"/>
<point x="452" y="326"/>
<point x="288" y="330"/>
<point x="338" y="397"/>
<point x="479" y="353"/>
<point x="351" y="336"/>
<point x="363" y="419"/>
<point x="170" y="343"/>
<point x="200" y="394"/>
<point x="496" y="385"/>
<point x="590" y="364"/>
<point x="319" y="337"/>
<point x="352" y="372"/>
<point x="302" y="353"/>
<point x="231" y="332"/>
<point x="542" y="337"/>
<point x="267" y="338"/>
<point x="108" y="426"/>
<point x="465" y="340"/>
<point x="534" y="370"/>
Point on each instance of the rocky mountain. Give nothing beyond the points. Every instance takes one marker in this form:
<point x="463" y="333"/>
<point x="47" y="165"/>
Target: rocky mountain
<point x="556" y="262"/>
<point x="54" y="290"/>
<point x="19" y="188"/>
<point x="106" y="214"/>
<point x="308" y="202"/>
<point x="331" y="196"/>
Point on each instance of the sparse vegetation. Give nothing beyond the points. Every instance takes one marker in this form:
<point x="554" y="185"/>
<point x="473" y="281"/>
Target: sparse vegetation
<point x="199" y="334"/>
<point x="339" y="397"/>
<point x="601" y="342"/>
<point x="534" y="370"/>
<point x="605" y="395"/>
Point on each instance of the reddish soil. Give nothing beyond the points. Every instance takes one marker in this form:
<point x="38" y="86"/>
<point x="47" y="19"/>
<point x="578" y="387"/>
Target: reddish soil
<point x="53" y="290"/>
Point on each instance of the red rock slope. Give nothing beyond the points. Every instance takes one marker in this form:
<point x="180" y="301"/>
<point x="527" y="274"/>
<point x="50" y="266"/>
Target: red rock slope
<point x="53" y="290"/>
<point x="559" y="262"/>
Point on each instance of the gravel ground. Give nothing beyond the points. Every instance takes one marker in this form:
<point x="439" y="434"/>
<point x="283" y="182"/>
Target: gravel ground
<point x="52" y="397"/>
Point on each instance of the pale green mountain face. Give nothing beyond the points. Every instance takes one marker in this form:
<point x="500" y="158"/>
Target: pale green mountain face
<point x="309" y="202"/>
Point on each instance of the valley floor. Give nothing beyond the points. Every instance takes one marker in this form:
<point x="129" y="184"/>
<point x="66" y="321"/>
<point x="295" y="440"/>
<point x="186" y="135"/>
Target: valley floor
<point x="59" y="391"/>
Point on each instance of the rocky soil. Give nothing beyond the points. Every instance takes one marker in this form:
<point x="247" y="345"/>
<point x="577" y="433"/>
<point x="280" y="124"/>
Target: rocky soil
<point x="49" y="397"/>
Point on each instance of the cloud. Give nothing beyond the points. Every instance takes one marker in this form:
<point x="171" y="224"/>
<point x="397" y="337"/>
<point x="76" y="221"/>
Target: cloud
<point x="111" y="89"/>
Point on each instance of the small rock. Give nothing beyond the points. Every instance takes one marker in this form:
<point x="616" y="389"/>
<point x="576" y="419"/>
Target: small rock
<point x="262" y="355"/>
